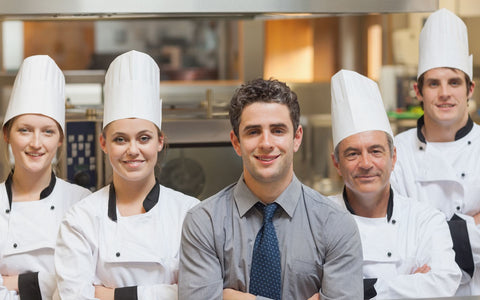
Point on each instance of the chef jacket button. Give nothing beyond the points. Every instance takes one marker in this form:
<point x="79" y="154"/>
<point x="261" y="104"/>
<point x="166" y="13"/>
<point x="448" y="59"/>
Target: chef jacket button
<point x="389" y="254"/>
<point x="52" y="207"/>
<point x="463" y="174"/>
<point x="458" y="207"/>
<point x="393" y="222"/>
<point x="7" y="211"/>
<point x="469" y="142"/>
<point x="421" y="148"/>
<point x="15" y="245"/>
<point x="117" y="254"/>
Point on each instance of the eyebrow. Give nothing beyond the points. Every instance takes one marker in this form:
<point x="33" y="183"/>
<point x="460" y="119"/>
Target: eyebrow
<point x="256" y="126"/>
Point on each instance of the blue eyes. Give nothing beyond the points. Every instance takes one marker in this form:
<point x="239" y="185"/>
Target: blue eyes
<point x="143" y="139"/>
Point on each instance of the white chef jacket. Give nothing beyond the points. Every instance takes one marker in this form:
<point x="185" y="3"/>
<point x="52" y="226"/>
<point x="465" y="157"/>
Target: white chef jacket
<point x="28" y="232"/>
<point x="447" y="177"/>
<point x="139" y="251"/>
<point x="393" y="247"/>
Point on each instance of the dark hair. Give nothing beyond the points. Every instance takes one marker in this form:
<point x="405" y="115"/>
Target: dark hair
<point x="261" y="90"/>
<point x="421" y="79"/>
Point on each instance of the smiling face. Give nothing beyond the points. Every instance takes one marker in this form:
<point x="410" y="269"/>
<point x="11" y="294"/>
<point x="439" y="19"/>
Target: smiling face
<point x="34" y="140"/>
<point x="445" y="95"/>
<point x="132" y="146"/>
<point x="365" y="162"/>
<point x="266" y="143"/>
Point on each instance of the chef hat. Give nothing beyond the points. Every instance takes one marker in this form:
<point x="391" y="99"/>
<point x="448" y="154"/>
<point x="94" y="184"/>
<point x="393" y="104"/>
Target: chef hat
<point x="39" y="88"/>
<point x="444" y="43"/>
<point x="132" y="89"/>
<point x="356" y="106"/>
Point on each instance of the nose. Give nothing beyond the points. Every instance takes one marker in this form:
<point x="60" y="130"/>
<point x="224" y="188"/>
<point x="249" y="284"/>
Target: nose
<point x="35" y="141"/>
<point x="132" y="149"/>
<point x="444" y="91"/>
<point x="365" y="161"/>
<point x="266" y="140"/>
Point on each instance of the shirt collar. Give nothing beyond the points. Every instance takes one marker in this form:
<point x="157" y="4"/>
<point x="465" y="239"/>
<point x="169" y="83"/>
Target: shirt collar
<point x="460" y="133"/>
<point x="148" y="203"/>
<point x="43" y="194"/>
<point x="245" y="199"/>
<point x="389" y="205"/>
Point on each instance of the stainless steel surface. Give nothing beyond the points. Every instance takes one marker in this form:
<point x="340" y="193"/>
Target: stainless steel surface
<point x="94" y="9"/>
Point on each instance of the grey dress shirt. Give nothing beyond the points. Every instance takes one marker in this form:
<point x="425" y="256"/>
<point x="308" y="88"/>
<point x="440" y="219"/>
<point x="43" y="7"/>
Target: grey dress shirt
<point x="319" y="245"/>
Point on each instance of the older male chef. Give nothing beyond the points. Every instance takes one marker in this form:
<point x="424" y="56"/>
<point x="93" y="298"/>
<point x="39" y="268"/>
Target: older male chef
<point x="407" y="249"/>
<point x="439" y="161"/>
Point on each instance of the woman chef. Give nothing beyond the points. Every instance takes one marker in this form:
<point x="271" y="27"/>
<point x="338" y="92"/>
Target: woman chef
<point x="32" y="200"/>
<point x="123" y="241"/>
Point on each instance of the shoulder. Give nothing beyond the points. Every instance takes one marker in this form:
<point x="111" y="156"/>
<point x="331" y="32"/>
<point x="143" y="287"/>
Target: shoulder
<point x="406" y="137"/>
<point x="73" y="191"/>
<point x="177" y="199"/>
<point x="90" y="206"/>
<point x="420" y="210"/>
<point x="327" y="211"/>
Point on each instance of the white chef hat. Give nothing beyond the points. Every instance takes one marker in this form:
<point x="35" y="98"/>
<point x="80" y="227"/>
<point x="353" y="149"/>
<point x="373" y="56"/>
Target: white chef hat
<point x="444" y="43"/>
<point x="357" y="106"/>
<point x="132" y="89"/>
<point x="39" y="88"/>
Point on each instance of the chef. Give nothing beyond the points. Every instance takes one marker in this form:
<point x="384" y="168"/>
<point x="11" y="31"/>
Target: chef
<point x="123" y="241"/>
<point x="407" y="249"/>
<point x="439" y="162"/>
<point x="33" y="200"/>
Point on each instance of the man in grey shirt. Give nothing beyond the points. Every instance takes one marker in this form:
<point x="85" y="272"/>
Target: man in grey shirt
<point x="320" y="250"/>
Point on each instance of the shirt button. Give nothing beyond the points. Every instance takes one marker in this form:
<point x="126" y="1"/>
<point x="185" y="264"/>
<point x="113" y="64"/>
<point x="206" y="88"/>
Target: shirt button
<point x="389" y="254"/>
<point x="469" y="142"/>
<point x="463" y="174"/>
<point x="117" y="254"/>
<point x="393" y="222"/>
<point x="458" y="207"/>
<point x="52" y="207"/>
<point x="421" y="148"/>
<point x="7" y="211"/>
<point x="15" y="245"/>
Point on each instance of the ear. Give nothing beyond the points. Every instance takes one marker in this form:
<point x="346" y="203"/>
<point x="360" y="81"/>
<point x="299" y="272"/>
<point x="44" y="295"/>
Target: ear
<point x="235" y="143"/>
<point x="472" y="88"/>
<point x="394" y="157"/>
<point x="336" y="164"/>
<point x="103" y="143"/>
<point x="160" y="143"/>
<point x="5" y="135"/>
<point x="417" y="92"/>
<point x="297" y="139"/>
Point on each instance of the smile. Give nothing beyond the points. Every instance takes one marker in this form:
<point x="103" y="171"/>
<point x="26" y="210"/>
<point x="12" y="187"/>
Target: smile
<point x="445" y="105"/>
<point x="34" y="154"/>
<point x="267" y="158"/>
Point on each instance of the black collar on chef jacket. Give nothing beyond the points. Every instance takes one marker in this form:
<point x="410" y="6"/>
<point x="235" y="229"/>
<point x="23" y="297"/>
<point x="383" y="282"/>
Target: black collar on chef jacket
<point x="389" y="205"/>
<point x="148" y="203"/>
<point x="43" y="194"/>
<point x="460" y="133"/>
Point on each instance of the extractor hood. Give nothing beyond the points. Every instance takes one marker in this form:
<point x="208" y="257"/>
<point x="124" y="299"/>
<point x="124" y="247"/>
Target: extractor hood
<point x="98" y="9"/>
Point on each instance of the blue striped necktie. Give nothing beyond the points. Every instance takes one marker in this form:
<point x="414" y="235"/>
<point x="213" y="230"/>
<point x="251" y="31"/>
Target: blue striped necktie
<point x="265" y="273"/>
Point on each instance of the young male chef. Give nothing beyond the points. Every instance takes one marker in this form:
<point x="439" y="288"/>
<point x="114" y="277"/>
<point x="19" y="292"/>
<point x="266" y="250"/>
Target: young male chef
<point x="407" y="249"/>
<point x="268" y="236"/>
<point x="439" y="161"/>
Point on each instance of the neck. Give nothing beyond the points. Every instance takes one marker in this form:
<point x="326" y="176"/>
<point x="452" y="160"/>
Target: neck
<point x="132" y="191"/>
<point x="267" y="192"/>
<point x="439" y="132"/>
<point x="371" y="205"/>
<point x="27" y="186"/>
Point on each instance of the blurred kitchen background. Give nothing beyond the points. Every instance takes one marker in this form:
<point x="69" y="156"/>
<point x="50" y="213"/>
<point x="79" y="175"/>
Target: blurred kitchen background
<point x="203" y="57"/>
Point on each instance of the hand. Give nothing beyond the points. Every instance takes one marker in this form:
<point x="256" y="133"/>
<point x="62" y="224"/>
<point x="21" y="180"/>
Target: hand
<point x="315" y="297"/>
<point x="10" y="282"/>
<point x="231" y="294"/>
<point x="423" y="269"/>
<point x="104" y="293"/>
